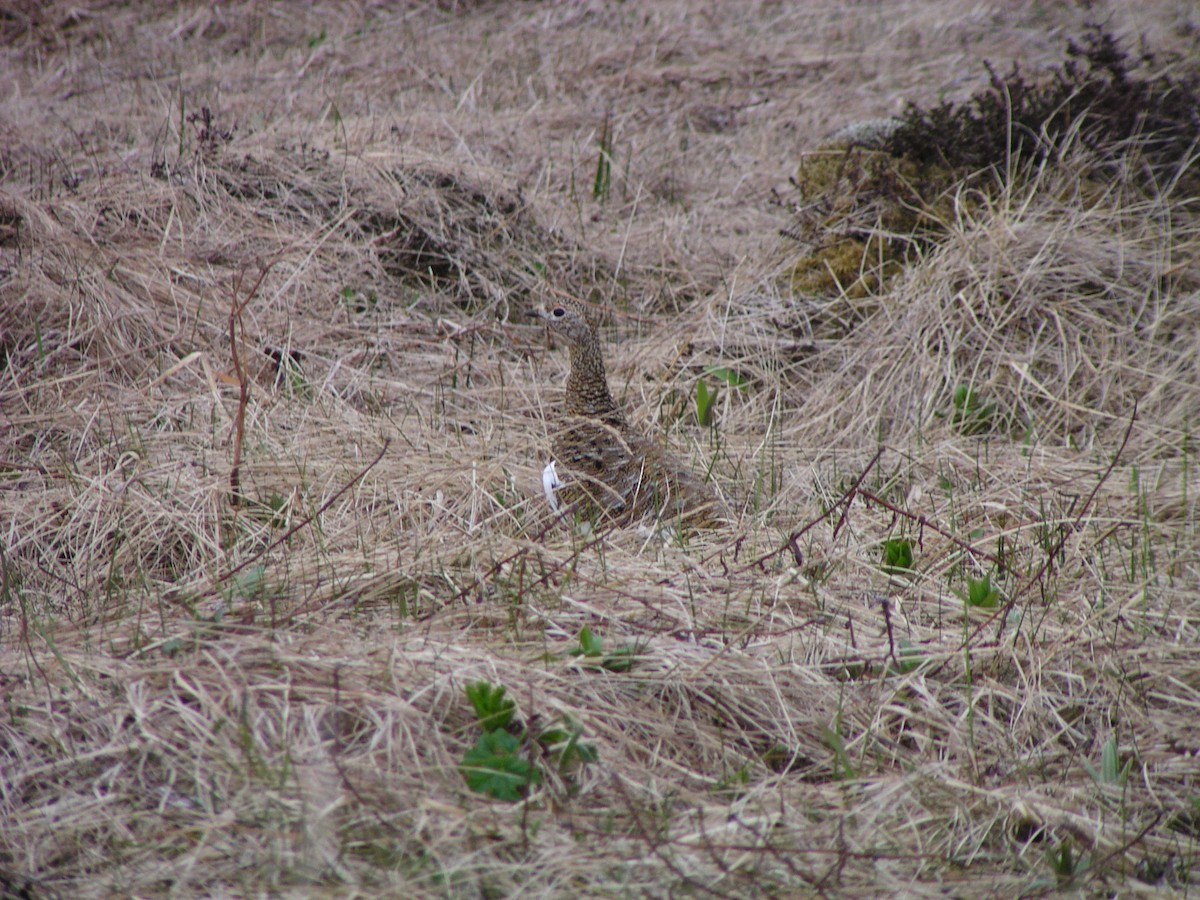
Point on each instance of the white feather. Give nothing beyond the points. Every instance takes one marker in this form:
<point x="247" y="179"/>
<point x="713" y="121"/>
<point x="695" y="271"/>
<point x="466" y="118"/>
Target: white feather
<point x="550" y="484"/>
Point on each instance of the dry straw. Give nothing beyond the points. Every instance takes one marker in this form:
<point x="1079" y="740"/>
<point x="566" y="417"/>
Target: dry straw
<point x="203" y="697"/>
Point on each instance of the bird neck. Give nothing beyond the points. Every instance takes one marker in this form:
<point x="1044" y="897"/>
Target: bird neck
<point x="587" y="385"/>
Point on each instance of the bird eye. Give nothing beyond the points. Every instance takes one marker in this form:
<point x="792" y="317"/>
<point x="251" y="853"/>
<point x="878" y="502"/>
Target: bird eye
<point x="558" y="312"/>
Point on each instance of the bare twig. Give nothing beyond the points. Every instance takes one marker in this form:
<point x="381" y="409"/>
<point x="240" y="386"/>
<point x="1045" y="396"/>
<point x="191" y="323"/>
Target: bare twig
<point x="236" y="306"/>
<point x="847" y="498"/>
<point x="922" y="523"/>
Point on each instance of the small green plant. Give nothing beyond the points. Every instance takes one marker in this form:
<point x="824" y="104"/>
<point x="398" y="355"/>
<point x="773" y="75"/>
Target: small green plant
<point x="971" y="415"/>
<point x="590" y="643"/>
<point x="705" y="399"/>
<point x="842" y="768"/>
<point x="493" y="708"/>
<point x="277" y="504"/>
<point x="357" y="301"/>
<point x="1063" y="862"/>
<point x="1111" y="773"/>
<point x="500" y="763"/>
<point x="981" y="594"/>
<point x="1187" y="820"/>
<point x="897" y="556"/>
<point x="497" y="766"/>
<point x="289" y="370"/>
<point x="248" y="585"/>
<point x="591" y="647"/>
<point x="564" y="745"/>
<point x="602" y="184"/>
<point x="908" y="657"/>
<point x="782" y="759"/>
<point x="727" y="375"/>
<point x="734" y="784"/>
<point x="272" y="511"/>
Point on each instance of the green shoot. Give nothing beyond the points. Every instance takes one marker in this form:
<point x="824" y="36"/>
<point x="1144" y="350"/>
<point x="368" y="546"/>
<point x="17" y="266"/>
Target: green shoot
<point x="602" y="183"/>
<point x="704" y="402"/>
<point x="493" y="709"/>
<point x="897" y="556"/>
<point x="981" y="594"/>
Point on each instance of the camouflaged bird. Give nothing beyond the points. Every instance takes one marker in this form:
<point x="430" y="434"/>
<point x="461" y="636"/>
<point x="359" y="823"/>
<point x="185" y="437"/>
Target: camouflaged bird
<point x="600" y="463"/>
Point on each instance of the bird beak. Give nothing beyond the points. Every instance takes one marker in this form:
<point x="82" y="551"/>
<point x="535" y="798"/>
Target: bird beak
<point x="536" y="313"/>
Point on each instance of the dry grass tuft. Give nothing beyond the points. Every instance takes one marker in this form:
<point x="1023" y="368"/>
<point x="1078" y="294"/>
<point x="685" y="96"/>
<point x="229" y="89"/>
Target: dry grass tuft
<point x="1058" y="305"/>
<point x="947" y="645"/>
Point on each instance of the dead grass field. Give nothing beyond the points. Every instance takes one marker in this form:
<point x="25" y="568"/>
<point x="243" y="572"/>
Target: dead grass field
<point x="266" y="697"/>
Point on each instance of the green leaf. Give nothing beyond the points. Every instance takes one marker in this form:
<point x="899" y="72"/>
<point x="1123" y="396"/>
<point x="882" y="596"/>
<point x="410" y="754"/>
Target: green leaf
<point x="592" y="647"/>
<point x="574" y="749"/>
<point x="565" y="745"/>
<point x="897" y="555"/>
<point x="250" y="583"/>
<point x="622" y="659"/>
<point x="587" y="753"/>
<point x="909" y="657"/>
<point x="704" y="402"/>
<point x="1062" y="860"/>
<point x="842" y="769"/>
<point x="981" y="594"/>
<point x="590" y="643"/>
<point x="495" y="766"/>
<point x="602" y="184"/>
<point x="1110" y="762"/>
<point x="727" y="375"/>
<point x="1111" y="771"/>
<point x="971" y="415"/>
<point x="493" y="709"/>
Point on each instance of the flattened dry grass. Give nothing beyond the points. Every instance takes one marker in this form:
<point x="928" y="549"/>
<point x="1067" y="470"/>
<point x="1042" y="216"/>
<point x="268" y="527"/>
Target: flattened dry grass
<point x="204" y="696"/>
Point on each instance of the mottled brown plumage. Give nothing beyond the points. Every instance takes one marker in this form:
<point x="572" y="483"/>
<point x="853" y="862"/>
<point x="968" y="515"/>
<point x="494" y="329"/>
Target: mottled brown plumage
<point x="601" y="464"/>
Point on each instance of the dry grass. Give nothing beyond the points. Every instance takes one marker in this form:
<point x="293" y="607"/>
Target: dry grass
<point x="204" y="696"/>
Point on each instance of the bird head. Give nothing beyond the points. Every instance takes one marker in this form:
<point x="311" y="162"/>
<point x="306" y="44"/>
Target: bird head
<point x="567" y="318"/>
